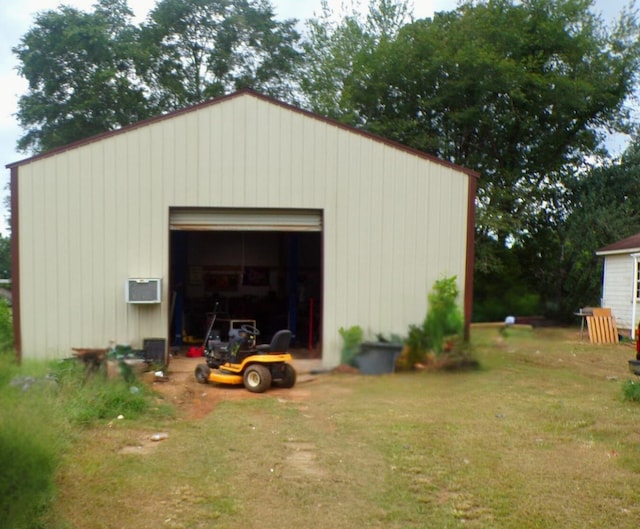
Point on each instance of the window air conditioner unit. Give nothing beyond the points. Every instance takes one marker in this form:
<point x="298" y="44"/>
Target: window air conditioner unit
<point x="143" y="290"/>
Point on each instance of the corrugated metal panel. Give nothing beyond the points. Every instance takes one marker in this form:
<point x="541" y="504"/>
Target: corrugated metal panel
<point x="92" y="216"/>
<point x="243" y="219"/>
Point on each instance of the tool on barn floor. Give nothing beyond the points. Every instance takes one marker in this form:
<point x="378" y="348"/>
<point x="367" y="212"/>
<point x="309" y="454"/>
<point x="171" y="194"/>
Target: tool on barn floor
<point x="241" y="361"/>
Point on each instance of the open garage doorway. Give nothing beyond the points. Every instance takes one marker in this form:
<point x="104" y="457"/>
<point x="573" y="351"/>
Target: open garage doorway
<point x="262" y="267"/>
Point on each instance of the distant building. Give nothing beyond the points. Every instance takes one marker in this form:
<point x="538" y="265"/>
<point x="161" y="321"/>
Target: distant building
<point x="621" y="282"/>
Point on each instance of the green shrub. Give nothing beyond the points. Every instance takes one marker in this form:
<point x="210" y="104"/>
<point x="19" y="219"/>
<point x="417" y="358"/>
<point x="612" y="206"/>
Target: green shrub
<point x="6" y="326"/>
<point x="443" y="319"/>
<point x="29" y="455"/>
<point x="90" y="399"/>
<point x="631" y="391"/>
<point x="40" y="406"/>
<point x="32" y="436"/>
<point x="352" y="338"/>
<point x="516" y="302"/>
<point x="417" y="345"/>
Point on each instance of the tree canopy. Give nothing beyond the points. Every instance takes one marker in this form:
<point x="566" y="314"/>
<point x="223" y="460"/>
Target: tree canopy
<point x="204" y="48"/>
<point x="97" y="71"/>
<point x="81" y="70"/>
<point x="5" y="257"/>
<point x="519" y="91"/>
<point x="334" y="44"/>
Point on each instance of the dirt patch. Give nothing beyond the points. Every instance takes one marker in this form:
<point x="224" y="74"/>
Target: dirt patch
<point x="301" y="461"/>
<point x="196" y="400"/>
<point x="143" y="447"/>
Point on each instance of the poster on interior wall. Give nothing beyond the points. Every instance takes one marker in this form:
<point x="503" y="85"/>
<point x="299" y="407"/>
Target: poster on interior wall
<point x="256" y="276"/>
<point x="221" y="281"/>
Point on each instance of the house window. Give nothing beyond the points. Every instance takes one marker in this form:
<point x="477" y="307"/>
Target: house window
<point x="637" y="281"/>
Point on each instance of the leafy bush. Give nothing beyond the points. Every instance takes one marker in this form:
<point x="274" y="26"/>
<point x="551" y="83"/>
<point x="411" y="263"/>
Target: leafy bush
<point x="6" y="326"/>
<point x="443" y="322"/>
<point x="631" y="391"/>
<point x="517" y="301"/>
<point x="32" y="435"/>
<point x="28" y="457"/>
<point x="86" y="401"/>
<point x="352" y="338"/>
<point x="40" y="405"/>
<point x="444" y="318"/>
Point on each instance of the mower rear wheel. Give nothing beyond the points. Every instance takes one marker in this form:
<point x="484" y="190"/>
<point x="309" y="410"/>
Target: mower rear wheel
<point x="289" y="378"/>
<point x="202" y="373"/>
<point x="257" y="378"/>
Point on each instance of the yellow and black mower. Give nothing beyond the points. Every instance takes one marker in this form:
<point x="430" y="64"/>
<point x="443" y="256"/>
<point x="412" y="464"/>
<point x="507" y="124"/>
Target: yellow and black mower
<point x="241" y="361"/>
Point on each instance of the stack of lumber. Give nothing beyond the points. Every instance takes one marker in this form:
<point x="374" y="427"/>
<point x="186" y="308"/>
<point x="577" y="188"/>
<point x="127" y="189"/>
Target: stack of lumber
<point x="602" y="326"/>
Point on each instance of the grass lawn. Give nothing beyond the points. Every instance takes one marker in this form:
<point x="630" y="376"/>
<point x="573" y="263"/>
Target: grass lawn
<point x="539" y="437"/>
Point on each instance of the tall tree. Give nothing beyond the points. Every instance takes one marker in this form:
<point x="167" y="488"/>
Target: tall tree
<point x="335" y="45"/>
<point x="93" y="72"/>
<point x="603" y="206"/>
<point x="519" y="91"/>
<point x="204" y="48"/>
<point x="5" y="257"/>
<point x="81" y="73"/>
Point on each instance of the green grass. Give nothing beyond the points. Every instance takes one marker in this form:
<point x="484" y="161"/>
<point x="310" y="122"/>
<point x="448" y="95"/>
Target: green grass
<point x="6" y="326"/>
<point x="631" y="390"/>
<point x="31" y="437"/>
<point x="43" y="411"/>
<point x="540" y="437"/>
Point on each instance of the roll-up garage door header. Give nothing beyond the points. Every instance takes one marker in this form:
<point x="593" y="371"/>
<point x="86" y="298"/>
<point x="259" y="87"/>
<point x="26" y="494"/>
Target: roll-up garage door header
<point x="245" y="219"/>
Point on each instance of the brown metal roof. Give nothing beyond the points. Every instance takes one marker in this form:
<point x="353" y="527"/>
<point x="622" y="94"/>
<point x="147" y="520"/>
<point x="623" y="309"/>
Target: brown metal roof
<point x="623" y="246"/>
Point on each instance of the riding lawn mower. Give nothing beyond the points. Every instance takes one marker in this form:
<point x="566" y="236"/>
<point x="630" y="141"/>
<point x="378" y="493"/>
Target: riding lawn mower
<point x="241" y="361"/>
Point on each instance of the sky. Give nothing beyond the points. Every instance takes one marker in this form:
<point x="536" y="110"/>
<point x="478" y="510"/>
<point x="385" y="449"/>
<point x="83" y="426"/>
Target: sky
<point x="16" y="18"/>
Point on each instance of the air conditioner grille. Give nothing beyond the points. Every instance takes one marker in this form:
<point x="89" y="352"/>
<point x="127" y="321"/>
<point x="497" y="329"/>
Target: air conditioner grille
<point x="143" y="291"/>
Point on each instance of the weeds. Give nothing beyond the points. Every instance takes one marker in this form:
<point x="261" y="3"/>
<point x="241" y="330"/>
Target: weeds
<point x="6" y="326"/>
<point x="442" y="326"/>
<point x="32" y="435"/>
<point x="86" y="401"/>
<point x="352" y="338"/>
<point x="41" y="408"/>
<point x="631" y="391"/>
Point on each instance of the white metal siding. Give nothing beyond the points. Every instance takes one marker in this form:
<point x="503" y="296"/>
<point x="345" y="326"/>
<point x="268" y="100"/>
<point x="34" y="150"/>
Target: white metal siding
<point x="618" y="288"/>
<point x="94" y="215"/>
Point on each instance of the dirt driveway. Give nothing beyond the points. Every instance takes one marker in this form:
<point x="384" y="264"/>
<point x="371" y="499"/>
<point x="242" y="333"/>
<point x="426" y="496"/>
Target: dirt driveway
<point x="197" y="400"/>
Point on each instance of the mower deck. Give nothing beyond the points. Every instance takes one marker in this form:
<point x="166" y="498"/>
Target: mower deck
<point x="220" y="377"/>
<point x="256" y="372"/>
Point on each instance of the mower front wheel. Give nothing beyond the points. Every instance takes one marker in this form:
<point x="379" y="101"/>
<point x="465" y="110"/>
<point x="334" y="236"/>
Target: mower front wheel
<point x="257" y="378"/>
<point x="202" y="373"/>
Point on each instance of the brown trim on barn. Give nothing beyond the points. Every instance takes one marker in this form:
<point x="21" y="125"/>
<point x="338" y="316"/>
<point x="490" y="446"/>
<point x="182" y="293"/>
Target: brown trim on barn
<point x="247" y="91"/>
<point x="15" y="264"/>
<point x="470" y="259"/>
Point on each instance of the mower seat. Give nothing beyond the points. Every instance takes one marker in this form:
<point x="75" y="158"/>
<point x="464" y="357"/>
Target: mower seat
<point x="279" y="343"/>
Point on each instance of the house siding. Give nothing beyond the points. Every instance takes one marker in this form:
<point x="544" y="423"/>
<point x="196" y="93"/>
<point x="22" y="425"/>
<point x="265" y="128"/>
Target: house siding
<point x="94" y="215"/>
<point x="618" y="288"/>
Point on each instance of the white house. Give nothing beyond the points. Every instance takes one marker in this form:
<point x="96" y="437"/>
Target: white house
<point x="284" y="217"/>
<point x="621" y="282"/>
